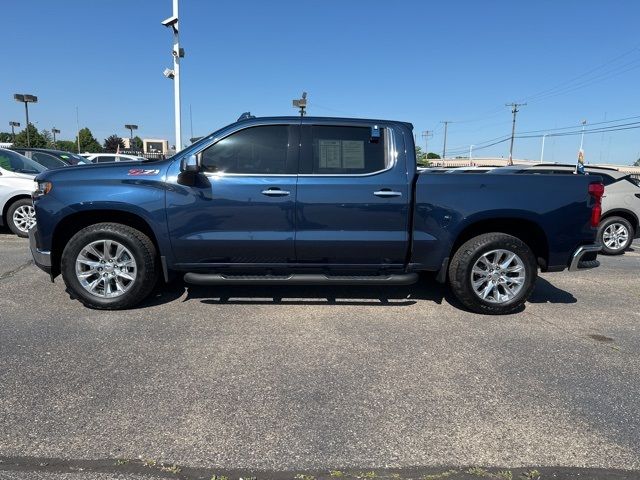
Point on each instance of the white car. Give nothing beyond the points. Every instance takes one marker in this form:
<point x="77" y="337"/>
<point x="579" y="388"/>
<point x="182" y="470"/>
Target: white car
<point x="16" y="184"/>
<point x="112" y="157"/>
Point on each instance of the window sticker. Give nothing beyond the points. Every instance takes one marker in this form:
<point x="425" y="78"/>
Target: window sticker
<point x="352" y="154"/>
<point x="329" y="153"/>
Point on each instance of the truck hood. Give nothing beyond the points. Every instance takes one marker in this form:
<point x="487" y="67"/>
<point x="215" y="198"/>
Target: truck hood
<point x="106" y="171"/>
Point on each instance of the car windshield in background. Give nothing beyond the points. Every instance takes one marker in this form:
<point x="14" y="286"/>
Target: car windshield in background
<point x="74" y="158"/>
<point x="15" y="162"/>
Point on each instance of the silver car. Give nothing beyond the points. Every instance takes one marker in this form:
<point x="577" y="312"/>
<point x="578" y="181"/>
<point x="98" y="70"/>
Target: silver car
<point x="16" y="184"/>
<point x="620" y="204"/>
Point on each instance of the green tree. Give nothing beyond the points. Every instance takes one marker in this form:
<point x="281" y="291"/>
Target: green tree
<point x="136" y="144"/>
<point x="112" y="142"/>
<point x="637" y="164"/>
<point x="35" y="138"/>
<point x="88" y="143"/>
<point x="5" y="137"/>
<point x="46" y="134"/>
<point x="67" y="146"/>
<point x="432" y="156"/>
<point x="421" y="158"/>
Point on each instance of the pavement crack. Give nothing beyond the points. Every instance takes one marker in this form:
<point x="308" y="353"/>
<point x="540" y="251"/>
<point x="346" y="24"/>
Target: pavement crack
<point x="11" y="273"/>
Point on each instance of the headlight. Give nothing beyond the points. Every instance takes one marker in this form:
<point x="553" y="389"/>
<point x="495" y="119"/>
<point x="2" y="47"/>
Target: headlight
<point x="41" y="188"/>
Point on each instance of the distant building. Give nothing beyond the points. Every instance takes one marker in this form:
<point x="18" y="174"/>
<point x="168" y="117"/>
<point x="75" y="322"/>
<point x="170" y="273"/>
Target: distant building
<point x="155" y="145"/>
<point x="150" y="145"/>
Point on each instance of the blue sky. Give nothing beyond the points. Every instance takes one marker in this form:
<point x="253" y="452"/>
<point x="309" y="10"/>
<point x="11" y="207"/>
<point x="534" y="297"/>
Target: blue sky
<point x="419" y="61"/>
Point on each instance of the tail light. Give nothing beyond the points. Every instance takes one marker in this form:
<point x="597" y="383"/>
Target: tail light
<point x="596" y="190"/>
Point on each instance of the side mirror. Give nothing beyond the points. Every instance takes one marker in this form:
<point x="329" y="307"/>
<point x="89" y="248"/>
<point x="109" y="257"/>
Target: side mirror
<point x="190" y="164"/>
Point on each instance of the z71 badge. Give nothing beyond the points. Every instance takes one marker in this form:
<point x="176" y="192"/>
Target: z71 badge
<point x="142" y="171"/>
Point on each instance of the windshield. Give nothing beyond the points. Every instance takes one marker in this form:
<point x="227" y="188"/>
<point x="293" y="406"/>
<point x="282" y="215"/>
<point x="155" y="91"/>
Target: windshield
<point x="74" y="159"/>
<point x="14" y="162"/>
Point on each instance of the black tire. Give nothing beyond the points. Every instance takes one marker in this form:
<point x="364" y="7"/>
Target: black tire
<point x="142" y="250"/>
<point x="464" y="259"/>
<point x="22" y="202"/>
<point x="609" y="222"/>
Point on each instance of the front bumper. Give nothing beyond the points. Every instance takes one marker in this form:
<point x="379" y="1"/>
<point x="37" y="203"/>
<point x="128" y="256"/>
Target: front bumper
<point x="42" y="258"/>
<point x="585" y="257"/>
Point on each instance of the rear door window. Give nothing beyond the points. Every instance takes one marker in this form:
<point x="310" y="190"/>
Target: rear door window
<point x="343" y="150"/>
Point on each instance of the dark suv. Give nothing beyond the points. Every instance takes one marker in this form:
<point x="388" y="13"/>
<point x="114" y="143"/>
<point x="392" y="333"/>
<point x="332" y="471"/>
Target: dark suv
<point x="50" y="158"/>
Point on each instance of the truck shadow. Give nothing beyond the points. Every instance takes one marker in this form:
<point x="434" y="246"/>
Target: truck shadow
<point x="546" y="292"/>
<point x="427" y="289"/>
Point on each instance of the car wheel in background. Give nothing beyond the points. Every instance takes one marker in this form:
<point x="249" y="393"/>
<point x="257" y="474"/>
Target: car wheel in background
<point x="615" y="234"/>
<point x="109" y="266"/>
<point x="493" y="273"/>
<point x="21" y="216"/>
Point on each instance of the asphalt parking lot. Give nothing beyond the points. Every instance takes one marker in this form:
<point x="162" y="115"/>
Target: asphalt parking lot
<point x="309" y="379"/>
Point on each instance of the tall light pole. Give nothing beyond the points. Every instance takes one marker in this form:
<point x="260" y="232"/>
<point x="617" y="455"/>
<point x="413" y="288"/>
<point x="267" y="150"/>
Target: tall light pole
<point x="13" y="132"/>
<point x="471" y="154"/>
<point x="542" y="150"/>
<point x="26" y="99"/>
<point x="54" y="130"/>
<point x="514" y="110"/>
<point x="131" y="128"/>
<point x="178" y="53"/>
<point x="584" y="122"/>
<point x="444" y="144"/>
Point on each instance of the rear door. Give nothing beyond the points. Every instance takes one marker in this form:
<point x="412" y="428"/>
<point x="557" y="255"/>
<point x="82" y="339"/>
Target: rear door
<point x="241" y="209"/>
<point x="353" y="199"/>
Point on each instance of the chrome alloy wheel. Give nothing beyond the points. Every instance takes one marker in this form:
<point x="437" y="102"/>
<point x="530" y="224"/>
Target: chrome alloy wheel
<point x="24" y="218"/>
<point x="498" y="276"/>
<point x="615" y="236"/>
<point x="106" y="268"/>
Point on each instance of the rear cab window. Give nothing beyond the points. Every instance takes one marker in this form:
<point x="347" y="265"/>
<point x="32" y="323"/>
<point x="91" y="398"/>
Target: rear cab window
<point x="343" y="150"/>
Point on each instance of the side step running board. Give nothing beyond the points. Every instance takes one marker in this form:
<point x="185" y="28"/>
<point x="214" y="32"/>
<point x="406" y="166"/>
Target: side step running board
<point x="299" y="279"/>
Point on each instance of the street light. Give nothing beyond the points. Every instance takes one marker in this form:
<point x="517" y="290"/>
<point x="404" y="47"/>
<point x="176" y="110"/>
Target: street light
<point x="174" y="74"/>
<point x="26" y="99"/>
<point x="131" y="128"/>
<point x="13" y="132"/>
<point x="54" y="130"/>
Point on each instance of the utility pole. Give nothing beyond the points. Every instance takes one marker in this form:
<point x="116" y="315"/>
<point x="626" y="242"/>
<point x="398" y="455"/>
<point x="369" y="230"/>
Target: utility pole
<point x="444" y="145"/>
<point x="542" y="151"/>
<point x="514" y="110"/>
<point x="471" y="155"/>
<point x="426" y="134"/>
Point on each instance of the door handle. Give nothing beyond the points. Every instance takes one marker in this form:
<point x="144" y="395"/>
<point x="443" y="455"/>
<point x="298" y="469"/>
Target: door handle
<point x="387" y="193"/>
<point x="275" y="192"/>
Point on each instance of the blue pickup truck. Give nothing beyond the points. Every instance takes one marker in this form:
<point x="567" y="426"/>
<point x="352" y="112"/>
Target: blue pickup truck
<point x="291" y="200"/>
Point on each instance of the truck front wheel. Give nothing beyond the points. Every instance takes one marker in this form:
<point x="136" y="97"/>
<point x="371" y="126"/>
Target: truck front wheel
<point x="493" y="273"/>
<point x="109" y="266"/>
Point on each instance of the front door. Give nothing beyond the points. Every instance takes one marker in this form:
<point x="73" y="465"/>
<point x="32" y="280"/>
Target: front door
<point x="353" y="197"/>
<point x="241" y="207"/>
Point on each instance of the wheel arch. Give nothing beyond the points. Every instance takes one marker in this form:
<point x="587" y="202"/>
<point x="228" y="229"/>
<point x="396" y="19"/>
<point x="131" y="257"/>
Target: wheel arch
<point x="624" y="213"/>
<point x="526" y="230"/>
<point x="73" y="223"/>
<point x="7" y="205"/>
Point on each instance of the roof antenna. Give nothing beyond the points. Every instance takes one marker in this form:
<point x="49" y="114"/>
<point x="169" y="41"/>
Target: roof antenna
<point x="301" y="103"/>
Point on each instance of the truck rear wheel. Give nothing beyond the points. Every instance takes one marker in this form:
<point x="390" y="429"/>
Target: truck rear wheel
<point x="109" y="266"/>
<point x="493" y="273"/>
